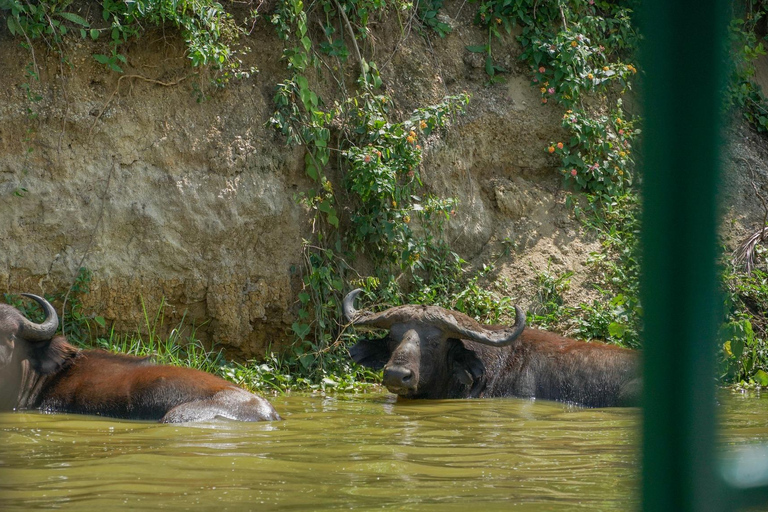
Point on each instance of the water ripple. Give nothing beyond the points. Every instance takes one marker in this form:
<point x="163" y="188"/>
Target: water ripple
<point x="361" y="452"/>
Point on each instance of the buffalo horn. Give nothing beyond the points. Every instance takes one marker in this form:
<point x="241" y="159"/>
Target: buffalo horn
<point x="349" y="305"/>
<point x="382" y="320"/>
<point x="39" y="332"/>
<point x="471" y="330"/>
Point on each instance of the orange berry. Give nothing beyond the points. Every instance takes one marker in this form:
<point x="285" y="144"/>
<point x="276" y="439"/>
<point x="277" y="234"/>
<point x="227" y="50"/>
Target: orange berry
<point x="551" y="149"/>
<point x="559" y="145"/>
<point x="574" y="44"/>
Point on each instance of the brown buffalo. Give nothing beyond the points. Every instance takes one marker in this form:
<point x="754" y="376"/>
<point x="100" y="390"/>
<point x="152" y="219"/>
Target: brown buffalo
<point x="41" y="371"/>
<point x="431" y="352"/>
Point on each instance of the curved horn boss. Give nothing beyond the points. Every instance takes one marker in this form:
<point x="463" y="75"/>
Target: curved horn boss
<point x="452" y="323"/>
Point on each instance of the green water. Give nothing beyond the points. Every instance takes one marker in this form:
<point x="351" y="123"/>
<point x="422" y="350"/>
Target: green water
<point x="360" y="452"/>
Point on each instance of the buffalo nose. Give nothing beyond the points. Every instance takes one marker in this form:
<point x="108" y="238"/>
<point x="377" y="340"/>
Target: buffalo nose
<point x="397" y="377"/>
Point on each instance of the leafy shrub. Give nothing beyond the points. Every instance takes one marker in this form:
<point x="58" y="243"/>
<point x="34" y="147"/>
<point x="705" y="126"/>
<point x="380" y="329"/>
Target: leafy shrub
<point x="210" y="32"/>
<point x="745" y="333"/>
<point x="745" y="48"/>
<point x="569" y="64"/>
<point x="598" y="157"/>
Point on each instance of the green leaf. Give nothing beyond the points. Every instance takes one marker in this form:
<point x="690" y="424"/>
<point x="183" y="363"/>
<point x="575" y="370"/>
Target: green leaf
<point x="13" y="26"/>
<point x="617" y="330"/>
<point x="101" y="59"/>
<point x="737" y="347"/>
<point x="322" y="156"/>
<point x="325" y="207"/>
<point x="478" y="48"/>
<point x="94" y="34"/>
<point x="748" y="330"/>
<point x="489" y="67"/>
<point x="100" y="320"/>
<point x="310" y="167"/>
<point x="761" y="378"/>
<point x="74" y="18"/>
<point x="306" y="360"/>
<point x="300" y="329"/>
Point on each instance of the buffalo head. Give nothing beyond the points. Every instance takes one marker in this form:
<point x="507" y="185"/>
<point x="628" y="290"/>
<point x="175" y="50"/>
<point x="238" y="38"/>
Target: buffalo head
<point x="424" y="356"/>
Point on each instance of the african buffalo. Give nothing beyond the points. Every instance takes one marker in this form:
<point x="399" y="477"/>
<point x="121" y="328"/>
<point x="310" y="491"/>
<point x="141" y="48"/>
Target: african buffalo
<point x="41" y="371"/>
<point x="431" y="352"/>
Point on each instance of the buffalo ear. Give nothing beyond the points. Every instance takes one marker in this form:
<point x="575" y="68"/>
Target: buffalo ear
<point x="48" y="356"/>
<point x="373" y="354"/>
<point x="465" y="366"/>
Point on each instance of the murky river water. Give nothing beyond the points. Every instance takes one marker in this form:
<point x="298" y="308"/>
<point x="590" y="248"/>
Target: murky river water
<point x="360" y="452"/>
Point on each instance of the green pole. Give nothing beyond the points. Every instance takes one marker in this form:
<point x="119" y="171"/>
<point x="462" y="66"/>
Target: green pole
<point x="683" y="57"/>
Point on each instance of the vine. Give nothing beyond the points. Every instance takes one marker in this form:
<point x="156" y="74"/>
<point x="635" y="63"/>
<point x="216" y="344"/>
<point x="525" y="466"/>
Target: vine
<point x="361" y="154"/>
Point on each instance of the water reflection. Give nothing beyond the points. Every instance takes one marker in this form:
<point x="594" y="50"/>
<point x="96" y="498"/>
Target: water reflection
<point x="359" y="452"/>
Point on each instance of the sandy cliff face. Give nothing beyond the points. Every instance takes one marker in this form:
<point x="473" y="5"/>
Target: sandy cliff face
<point x="158" y="195"/>
<point x="162" y="196"/>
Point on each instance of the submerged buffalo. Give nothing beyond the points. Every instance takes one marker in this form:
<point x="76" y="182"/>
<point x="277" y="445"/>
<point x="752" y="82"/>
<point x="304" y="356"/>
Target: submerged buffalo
<point x="431" y="352"/>
<point x="40" y="371"/>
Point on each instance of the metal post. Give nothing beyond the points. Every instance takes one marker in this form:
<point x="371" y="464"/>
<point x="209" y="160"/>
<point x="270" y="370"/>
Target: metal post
<point x="683" y="59"/>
